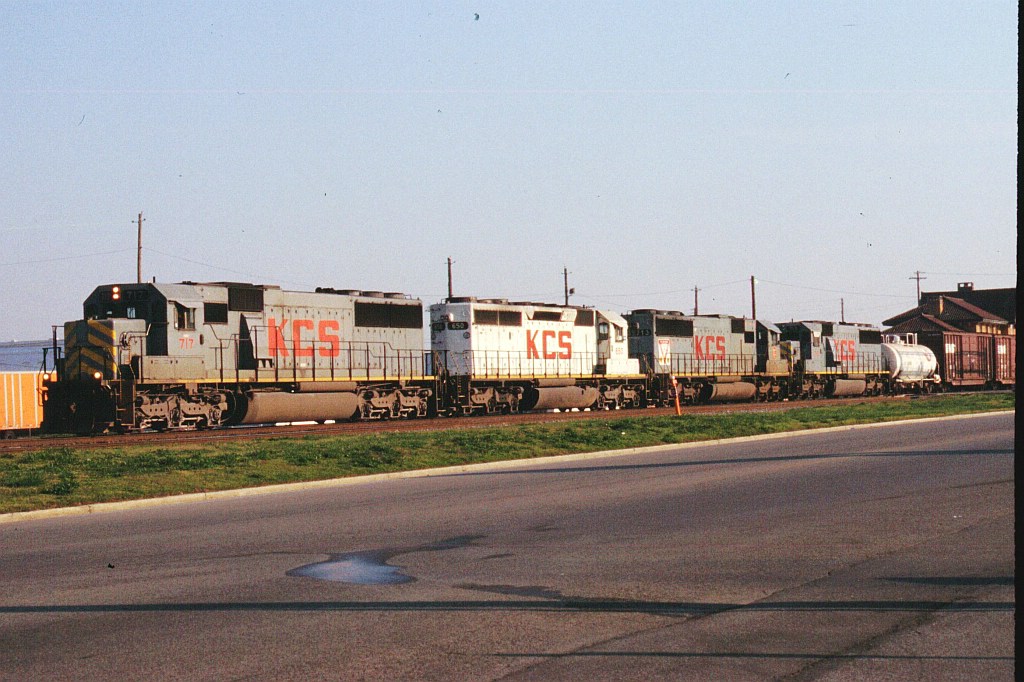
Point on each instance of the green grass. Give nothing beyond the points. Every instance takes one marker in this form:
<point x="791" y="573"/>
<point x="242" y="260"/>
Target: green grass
<point x="61" y="476"/>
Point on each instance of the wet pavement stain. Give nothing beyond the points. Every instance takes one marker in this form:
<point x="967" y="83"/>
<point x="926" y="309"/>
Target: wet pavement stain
<point x="360" y="568"/>
<point x="372" y="567"/>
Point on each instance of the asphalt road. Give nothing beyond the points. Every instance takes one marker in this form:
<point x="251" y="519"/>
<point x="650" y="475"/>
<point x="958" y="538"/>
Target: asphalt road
<point x="881" y="553"/>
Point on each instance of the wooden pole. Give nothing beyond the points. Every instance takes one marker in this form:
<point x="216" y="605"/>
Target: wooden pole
<point x="753" y="299"/>
<point x="449" y="279"/>
<point x="918" y="277"/>
<point x="139" y="274"/>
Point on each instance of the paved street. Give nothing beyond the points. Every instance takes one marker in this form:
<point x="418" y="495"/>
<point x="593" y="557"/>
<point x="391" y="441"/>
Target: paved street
<point x="881" y="553"/>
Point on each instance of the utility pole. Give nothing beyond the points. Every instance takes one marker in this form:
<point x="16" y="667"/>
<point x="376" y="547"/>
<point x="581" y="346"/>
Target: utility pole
<point x="568" y="291"/>
<point x="139" y="277"/>
<point x="753" y="299"/>
<point x="695" y="306"/>
<point x="842" y="311"/>
<point x="449" y="279"/>
<point x="918" y="277"/>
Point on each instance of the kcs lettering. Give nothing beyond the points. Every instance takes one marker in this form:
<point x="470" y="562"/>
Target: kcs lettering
<point x="546" y="350"/>
<point x="845" y="349"/>
<point x="301" y="341"/>
<point x="709" y="347"/>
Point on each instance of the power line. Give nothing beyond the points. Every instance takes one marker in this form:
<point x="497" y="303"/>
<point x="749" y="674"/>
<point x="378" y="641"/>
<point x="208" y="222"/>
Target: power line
<point x="971" y="274"/>
<point x="218" y="267"/>
<point x="674" y="291"/>
<point x="831" y="291"/>
<point x="31" y="228"/>
<point x="64" y="258"/>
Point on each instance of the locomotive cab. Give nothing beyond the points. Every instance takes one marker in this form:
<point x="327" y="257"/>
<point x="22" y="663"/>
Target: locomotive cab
<point x="770" y="356"/>
<point x="613" y="346"/>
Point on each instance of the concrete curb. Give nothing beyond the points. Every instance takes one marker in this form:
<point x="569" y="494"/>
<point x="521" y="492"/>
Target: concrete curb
<point x="84" y="509"/>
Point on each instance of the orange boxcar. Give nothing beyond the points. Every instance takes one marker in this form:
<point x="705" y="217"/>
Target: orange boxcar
<point x="21" y="405"/>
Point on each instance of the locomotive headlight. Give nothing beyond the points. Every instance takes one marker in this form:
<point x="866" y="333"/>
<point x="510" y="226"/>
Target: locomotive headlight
<point x="116" y="293"/>
<point x="97" y="375"/>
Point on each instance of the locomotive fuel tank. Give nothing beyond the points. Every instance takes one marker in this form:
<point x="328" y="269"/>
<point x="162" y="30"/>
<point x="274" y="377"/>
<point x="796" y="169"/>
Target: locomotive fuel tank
<point x="274" y="406"/>
<point x="842" y="388"/>
<point x="729" y="391"/>
<point x="559" y="397"/>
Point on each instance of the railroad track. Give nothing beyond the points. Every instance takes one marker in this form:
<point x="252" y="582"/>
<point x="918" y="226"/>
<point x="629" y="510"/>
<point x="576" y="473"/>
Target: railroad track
<point x="352" y="428"/>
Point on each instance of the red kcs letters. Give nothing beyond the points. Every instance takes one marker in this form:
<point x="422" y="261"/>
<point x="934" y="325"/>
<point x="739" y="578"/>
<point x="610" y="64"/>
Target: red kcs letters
<point x="300" y="343"/>
<point x="845" y="349"/>
<point x="564" y="345"/>
<point x="709" y="347"/>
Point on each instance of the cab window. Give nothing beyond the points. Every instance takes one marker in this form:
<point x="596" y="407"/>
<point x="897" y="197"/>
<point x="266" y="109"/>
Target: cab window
<point x="184" y="318"/>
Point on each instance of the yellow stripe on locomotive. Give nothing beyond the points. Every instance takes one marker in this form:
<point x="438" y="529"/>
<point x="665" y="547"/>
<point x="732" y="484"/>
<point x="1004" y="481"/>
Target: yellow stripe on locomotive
<point x="89" y="350"/>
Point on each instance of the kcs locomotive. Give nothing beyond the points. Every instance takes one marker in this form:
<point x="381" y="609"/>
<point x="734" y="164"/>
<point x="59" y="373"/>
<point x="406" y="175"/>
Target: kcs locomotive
<point x="165" y="356"/>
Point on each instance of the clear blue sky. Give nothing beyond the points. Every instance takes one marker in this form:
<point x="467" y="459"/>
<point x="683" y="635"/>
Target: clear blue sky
<point x="831" y="149"/>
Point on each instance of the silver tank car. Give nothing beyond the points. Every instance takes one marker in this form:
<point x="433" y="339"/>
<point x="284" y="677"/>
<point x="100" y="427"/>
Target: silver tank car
<point x="909" y="363"/>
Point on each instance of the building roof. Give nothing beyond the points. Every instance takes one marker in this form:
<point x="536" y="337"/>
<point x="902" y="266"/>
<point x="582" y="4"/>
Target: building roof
<point x="943" y="313"/>
<point x="920" y="323"/>
<point x="1002" y="302"/>
<point x="966" y="311"/>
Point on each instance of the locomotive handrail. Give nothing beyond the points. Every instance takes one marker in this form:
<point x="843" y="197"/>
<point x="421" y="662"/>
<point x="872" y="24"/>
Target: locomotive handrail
<point x="520" y="364"/>
<point x="865" y="363"/>
<point x="353" y="360"/>
<point x="691" y="364"/>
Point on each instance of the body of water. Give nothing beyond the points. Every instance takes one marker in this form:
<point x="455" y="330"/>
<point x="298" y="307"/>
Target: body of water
<point x="25" y="356"/>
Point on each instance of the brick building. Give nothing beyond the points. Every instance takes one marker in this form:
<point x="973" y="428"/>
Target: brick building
<point x="983" y="311"/>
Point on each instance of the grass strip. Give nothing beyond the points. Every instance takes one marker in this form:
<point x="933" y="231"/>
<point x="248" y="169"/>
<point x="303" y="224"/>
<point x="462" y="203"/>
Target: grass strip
<point x="62" y="476"/>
